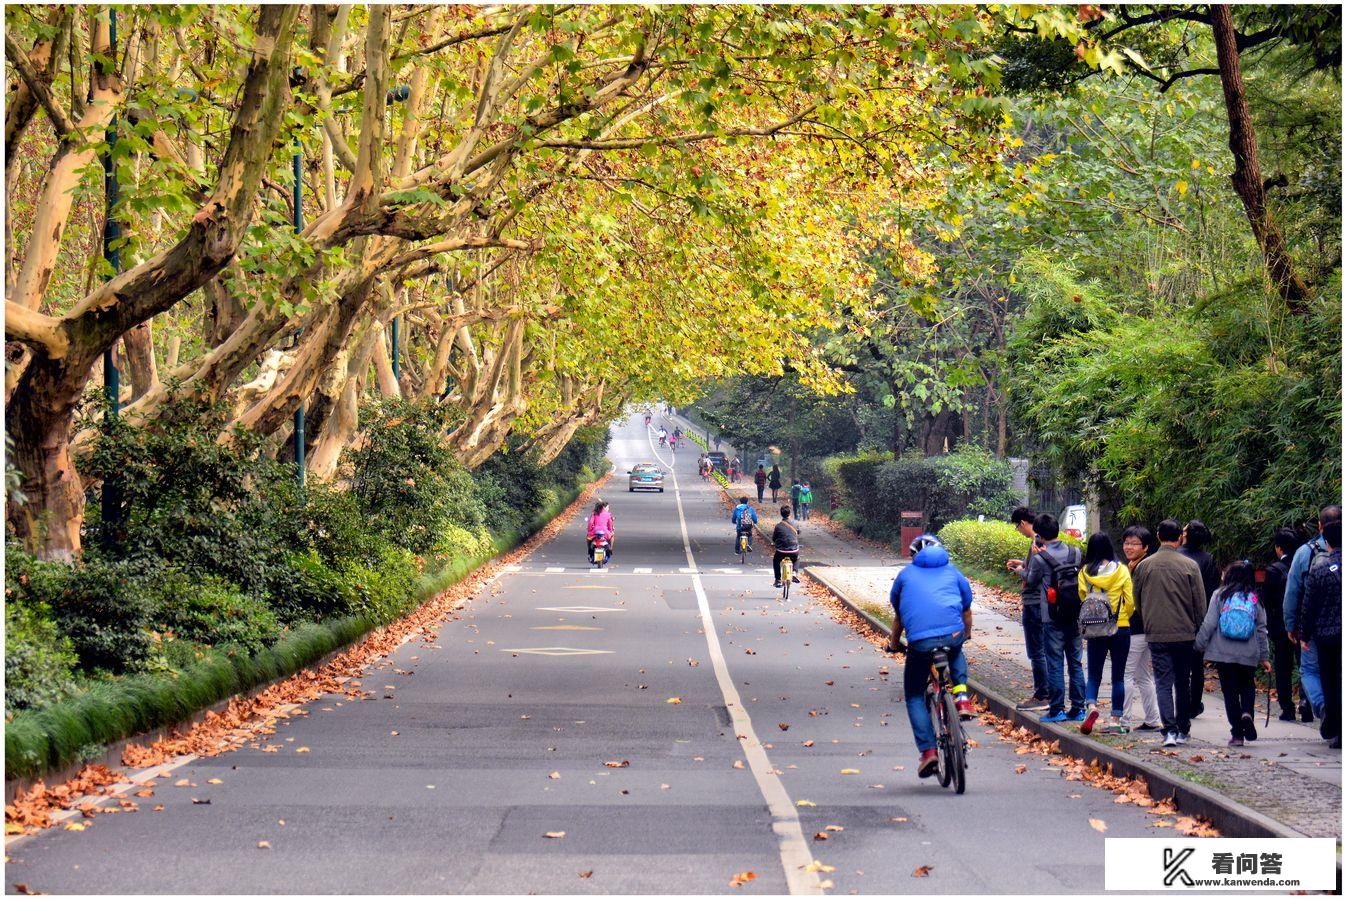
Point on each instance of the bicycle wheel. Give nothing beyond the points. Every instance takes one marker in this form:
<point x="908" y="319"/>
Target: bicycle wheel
<point x="957" y="758"/>
<point x="932" y="703"/>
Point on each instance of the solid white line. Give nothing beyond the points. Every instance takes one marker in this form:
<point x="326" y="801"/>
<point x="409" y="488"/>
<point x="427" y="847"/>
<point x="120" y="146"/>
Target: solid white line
<point x="555" y="569"/>
<point x="641" y="571"/>
<point x="795" y="855"/>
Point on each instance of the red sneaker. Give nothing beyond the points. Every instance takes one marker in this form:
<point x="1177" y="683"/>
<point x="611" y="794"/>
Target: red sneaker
<point x="1088" y="724"/>
<point x="965" y="710"/>
<point x="929" y="762"/>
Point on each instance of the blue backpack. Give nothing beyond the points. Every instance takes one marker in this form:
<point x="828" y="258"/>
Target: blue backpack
<point x="1238" y="616"/>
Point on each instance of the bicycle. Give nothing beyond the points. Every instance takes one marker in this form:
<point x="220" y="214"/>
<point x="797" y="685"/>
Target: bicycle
<point x="949" y="737"/>
<point x="742" y="546"/>
<point x="787" y="574"/>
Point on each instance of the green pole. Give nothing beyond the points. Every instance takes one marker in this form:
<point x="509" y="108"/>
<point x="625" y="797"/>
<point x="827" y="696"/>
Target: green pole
<point x="111" y="494"/>
<point x="298" y="226"/>
<point x="397" y="367"/>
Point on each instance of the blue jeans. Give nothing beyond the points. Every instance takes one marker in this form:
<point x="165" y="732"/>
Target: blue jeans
<point x="917" y="673"/>
<point x="1061" y="649"/>
<point x="1033" y="643"/>
<point x="1098" y="650"/>
<point x="1311" y="679"/>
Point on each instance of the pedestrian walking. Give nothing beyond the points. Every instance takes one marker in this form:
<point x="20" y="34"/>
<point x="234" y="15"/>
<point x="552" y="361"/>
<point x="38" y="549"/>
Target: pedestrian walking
<point x="1055" y="571"/>
<point x="774" y="481"/>
<point x="1306" y="557"/>
<point x="1106" y="605"/>
<point x="1284" y="651"/>
<point x="805" y="501"/>
<point x="1034" y="612"/>
<point x="1322" y="627"/>
<point x="1233" y="635"/>
<point x="1172" y="600"/>
<point x="735" y="469"/>
<point x="795" y="490"/>
<point x="759" y="478"/>
<point x="1139" y="542"/>
<point x="1195" y="538"/>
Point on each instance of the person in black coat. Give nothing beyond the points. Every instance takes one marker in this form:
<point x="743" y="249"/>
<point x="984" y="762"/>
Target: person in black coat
<point x="1284" y="651"/>
<point x="1321" y="623"/>
<point x="1195" y="537"/>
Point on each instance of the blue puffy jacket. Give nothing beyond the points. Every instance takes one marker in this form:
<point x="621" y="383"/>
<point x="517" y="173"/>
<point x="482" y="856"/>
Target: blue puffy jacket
<point x="930" y="595"/>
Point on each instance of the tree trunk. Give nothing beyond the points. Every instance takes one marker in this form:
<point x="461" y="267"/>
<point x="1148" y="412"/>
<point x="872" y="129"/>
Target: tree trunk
<point x="138" y="347"/>
<point x="1247" y="176"/>
<point x="49" y="521"/>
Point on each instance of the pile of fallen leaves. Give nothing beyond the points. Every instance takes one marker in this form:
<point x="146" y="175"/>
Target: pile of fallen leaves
<point x="1128" y="790"/>
<point x="248" y="716"/>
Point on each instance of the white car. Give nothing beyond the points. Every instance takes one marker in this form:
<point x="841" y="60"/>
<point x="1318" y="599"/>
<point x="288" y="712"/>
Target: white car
<point x="646" y="477"/>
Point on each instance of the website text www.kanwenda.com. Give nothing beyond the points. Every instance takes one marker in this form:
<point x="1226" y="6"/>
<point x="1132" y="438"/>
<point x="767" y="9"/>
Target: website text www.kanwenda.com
<point x="1245" y="882"/>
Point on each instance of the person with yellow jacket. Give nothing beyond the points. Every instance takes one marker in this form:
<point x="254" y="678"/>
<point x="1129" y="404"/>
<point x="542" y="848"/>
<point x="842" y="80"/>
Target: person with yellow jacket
<point x="1103" y="573"/>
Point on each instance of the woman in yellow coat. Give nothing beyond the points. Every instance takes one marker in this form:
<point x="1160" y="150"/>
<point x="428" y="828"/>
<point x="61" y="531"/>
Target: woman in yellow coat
<point x="1103" y="573"/>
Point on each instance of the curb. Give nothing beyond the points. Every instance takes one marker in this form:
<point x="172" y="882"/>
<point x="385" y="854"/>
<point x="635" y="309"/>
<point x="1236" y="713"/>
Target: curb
<point x="1232" y="818"/>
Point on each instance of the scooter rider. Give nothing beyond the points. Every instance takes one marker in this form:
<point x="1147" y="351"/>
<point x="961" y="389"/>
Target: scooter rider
<point x="600" y="523"/>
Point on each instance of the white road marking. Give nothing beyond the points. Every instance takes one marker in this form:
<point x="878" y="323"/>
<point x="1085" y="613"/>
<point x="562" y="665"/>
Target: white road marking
<point x="553" y="651"/>
<point x="555" y="569"/>
<point x="645" y="570"/>
<point x="581" y="609"/>
<point x="794" y="850"/>
<point x="688" y="570"/>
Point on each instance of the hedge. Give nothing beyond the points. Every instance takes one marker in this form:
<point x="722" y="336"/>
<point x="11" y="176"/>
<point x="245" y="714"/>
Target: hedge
<point x="80" y="727"/>
<point x="981" y="548"/>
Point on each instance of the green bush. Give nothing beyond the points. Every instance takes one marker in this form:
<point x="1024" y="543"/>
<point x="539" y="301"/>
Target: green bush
<point x="215" y="613"/>
<point x="105" y="607"/>
<point x="384" y="590"/>
<point x="969" y="481"/>
<point x="39" y="661"/>
<point x="850" y="481"/>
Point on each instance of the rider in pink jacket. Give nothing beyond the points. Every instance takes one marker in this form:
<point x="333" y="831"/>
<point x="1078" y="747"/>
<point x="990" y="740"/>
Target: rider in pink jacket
<point x="600" y="521"/>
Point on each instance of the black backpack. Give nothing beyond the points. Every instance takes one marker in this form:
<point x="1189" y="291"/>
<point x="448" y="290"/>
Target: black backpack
<point x="1063" y="587"/>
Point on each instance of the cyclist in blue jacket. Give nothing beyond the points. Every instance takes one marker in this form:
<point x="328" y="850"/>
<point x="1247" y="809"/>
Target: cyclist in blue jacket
<point x="744" y="518"/>
<point x="932" y="602"/>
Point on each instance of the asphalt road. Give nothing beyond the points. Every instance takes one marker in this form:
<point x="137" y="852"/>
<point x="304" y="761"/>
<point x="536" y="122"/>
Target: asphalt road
<point x="451" y="777"/>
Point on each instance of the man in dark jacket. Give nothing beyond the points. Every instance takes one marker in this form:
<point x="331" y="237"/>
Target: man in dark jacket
<point x="1195" y="538"/>
<point x="1284" y="651"/>
<point x="1034" y="611"/>
<point x="759" y="479"/>
<point x="786" y="538"/>
<point x="1056" y="567"/>
<point x="1172" y="600"/>
<point x="1321" y="623"/>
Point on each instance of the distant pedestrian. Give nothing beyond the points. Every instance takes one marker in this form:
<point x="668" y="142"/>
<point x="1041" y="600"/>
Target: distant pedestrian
<point x="759" y="478"/>
<point x="1306" y="557"/>
<point x="735" y="468"/>
<point x="1034" y="613"/>
<point x="805" y="501"/>
<point x="1110" y="581"/>
<point x="1055" y="571"/>
<point x="1322" y="628"/>
<point x="1234" y="637"/>
<point x="1138" y="542"/>
<point x="1195" y="538"/>
<point x="1284" y="651"/>
<point x="795" y="490"/>
<point x="1172" y="600"/>
<point x="717" y="443"/>
<point x="774" y="481"/>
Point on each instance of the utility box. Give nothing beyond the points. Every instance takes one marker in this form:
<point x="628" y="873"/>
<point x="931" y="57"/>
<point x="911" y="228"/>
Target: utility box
<point x="912" y="527"/>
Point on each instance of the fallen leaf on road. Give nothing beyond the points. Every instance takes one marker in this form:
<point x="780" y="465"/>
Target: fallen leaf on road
<point x="145" y="793"/>
<point x="783" y="726"/>
<point x="555" y="834"/>
<point x="1098" y="825"/>
<point x="157" y="808"/>
<point x="618" y="765"/>
<point x="554" y="775"/>
<point x="215" y="781"/>
<point x="742" y="878"/>
<point x="74" y="826"/>
<point x="738" y="764"/>
<point x="850" y="771"/>
<point x="817" y="866"/>
<point x="805" y="803"/>
<point x="302" y="750"/>
<point x="587" y="873"/>
<point x="393" y="733"/>
<point x="899" y="819"/>
<point x="921" y="871"/>
<point x="182" y="782"/>
<point x="264" y="845"/>
<point x="200" y="802"/>
<point x="808" y="743"/>
<point x="820" y="836"/>
<point x="673" y="700"/>
<point x="835" y="828"/>
<point x="663" y="787"/>
<point x="1020" y="769"/>
<point x="827" y="884"/>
